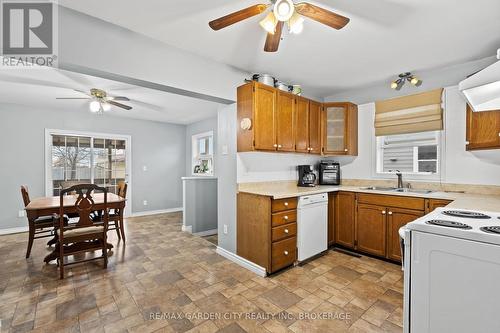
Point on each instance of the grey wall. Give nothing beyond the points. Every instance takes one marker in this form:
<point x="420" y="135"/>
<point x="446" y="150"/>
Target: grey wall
<point x="200" y="204"/>
<point x="159" y="146"/>
<point x="226" y="182"/>
<point x="196" y="128"/>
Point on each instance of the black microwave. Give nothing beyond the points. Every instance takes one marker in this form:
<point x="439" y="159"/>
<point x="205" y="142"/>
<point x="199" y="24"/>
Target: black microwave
<point x="329" y="173"/>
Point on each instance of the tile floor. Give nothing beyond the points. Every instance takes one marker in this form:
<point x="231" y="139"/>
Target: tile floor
<point x="164" y="280"/>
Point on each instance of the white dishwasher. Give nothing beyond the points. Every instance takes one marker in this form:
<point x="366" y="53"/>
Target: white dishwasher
<point x="312" y="225"/>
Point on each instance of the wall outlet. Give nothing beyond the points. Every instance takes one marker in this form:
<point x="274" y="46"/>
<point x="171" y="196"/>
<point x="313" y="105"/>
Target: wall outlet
<point x="225" y="150"/>
<point x="21" y="213"/>
<point x="145" y="202"/>
<point x="225" y="229"/>
<point x="144" y="168"/>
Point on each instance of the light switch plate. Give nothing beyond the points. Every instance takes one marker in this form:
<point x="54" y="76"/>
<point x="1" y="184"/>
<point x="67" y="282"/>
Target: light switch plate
<point x="225" y="229"/>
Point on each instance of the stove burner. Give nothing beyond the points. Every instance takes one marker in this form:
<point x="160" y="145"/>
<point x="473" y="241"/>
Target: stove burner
<point x="449" y="224"/>
<point x="491" y="230"/>
<point x="471" y="215"/>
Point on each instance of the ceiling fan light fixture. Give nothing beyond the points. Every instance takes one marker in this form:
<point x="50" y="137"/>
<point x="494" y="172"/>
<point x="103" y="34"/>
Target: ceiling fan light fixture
<point x="95" y="106"/>
<point x="296" y="24"/>
<point x="269" y="23"/>
<point x="106" y="106"/>
<point x="283" y="10"/>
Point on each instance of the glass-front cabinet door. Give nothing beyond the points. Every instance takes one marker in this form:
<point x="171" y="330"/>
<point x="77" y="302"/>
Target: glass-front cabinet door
<point x="335" y="129"/>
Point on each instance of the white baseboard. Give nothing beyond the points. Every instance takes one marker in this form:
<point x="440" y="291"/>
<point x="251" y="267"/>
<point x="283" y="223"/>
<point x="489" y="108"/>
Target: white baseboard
<point x="17" y="230"/>
<point x="156" y="212"/>
<point x="206" y="233"/>
<point x="188" y="228"/>
<point x="261" y="271"/>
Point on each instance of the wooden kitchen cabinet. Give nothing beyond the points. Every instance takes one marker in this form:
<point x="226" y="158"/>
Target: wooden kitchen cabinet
<point x="265" y="121"/>
<point x="432" y="204"/>
<point x="396" y="218"/>
<point x="267" y="230"/>
<point x="302" y="127"/>
<point x="482" y="130"/>
<point x="340" y="129"/>
<point x="315" y="127"/>
<point x="344" y="219"/>
<point x="371" y="229"/>
<point x="331" y="218"/>
<point x="285" y="121"/>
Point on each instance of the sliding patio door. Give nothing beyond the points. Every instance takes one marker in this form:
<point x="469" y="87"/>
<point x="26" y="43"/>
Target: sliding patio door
<point x="77" y="158"/>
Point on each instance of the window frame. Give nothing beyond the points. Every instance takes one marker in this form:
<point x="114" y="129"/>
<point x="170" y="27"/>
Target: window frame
<point x="195" y="156"/>
<point x="415" y="176"/>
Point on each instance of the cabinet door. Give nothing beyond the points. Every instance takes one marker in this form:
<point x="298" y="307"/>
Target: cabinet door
<point x="432" y="204"/>
<point x="264" y="118"/>
<point x="371" y="229"/>
<point x="302" y="126"/>
<point x="314" y="127"/>
<point x="331" y="218"/>
<point x="483" y="129"/>
<point x="334" y="127"/>
<point x="344" y="219"/>
<point x="396" y="218"/>
<point x="285" y="121"/>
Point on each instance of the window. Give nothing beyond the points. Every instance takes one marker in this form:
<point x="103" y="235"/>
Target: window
<point x="203" y="154"/>
<point x="415" y="153"/>
<point x="77" y="159"/>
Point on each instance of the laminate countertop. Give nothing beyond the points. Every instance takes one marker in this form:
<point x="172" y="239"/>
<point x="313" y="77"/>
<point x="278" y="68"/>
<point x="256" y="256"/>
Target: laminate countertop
<point x="280" y="190"/>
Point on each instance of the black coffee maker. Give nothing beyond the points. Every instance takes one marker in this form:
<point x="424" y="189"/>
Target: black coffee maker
<point x="307" y="178"/>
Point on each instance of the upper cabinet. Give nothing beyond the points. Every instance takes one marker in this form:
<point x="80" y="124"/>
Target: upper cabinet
<point x="483" y="130"/>
<point x="273" y="120"/>
<point x="340" y="129"/>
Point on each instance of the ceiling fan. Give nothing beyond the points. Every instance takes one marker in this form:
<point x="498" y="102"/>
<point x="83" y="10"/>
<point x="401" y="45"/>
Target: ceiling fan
<point x="100" y="101"/>
<point x="282" y="11"/>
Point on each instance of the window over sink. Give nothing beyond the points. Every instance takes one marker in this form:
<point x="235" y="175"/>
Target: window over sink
<point x="414" y="154"/>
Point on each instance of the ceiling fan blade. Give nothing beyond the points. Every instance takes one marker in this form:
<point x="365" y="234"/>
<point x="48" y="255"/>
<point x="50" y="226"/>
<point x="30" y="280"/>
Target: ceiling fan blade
<point x="120" y="105"/>
<point x="236" y="17"/>
<point x="120" y="98"/>
<point x="321" y="15"/>
<point x="273" y="41"/>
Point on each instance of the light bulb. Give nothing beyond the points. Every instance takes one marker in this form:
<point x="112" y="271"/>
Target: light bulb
<point x="394" y="85"/>
<point x="296" y="24"/>
<point x="284" y="9"/>
<point x="106" y="106"/>
<point x="95" y="106"/>
<point x="269" y="23"/>
<point x="414" y="81"/>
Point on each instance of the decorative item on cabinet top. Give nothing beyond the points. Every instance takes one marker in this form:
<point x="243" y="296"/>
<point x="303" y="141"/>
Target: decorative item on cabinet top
<point x="274" y="120"/>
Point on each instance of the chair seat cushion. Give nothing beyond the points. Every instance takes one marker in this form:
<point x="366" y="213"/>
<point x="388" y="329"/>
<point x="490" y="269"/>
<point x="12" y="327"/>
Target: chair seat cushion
<point x="75" y="232"/>
<point x="46" y="219"/>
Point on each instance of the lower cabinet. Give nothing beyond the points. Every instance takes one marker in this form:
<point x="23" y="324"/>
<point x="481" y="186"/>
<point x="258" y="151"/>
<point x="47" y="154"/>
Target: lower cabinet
<point x="396" y="218"/>
<point x="344" y="219"/>
<point x="371" y="229"/>
<point x="431" y="204"/>
<point x="267" y="231"/>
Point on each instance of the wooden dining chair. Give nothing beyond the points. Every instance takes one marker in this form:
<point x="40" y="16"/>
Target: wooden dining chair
<point x="116" y="216"/>
<point x="41" y="227"/>
<point x="86" y="235"/>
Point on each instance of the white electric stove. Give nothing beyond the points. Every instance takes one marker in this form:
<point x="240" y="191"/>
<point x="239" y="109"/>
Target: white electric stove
<point x="452" y="272"/>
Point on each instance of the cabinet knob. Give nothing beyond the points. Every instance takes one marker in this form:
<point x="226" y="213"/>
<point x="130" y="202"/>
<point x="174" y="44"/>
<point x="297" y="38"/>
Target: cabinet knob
<point x="285" y="253"/>
<point x="279" y="146"/>
<point x="383" y="212"/>
<point x="286" y="203"/>
<point x="286" y="231"/>
<point x="285" y="217"/>
<point x="390" y="213"/>
<point x="275" y="145"/>
<point x="346" y="150"/>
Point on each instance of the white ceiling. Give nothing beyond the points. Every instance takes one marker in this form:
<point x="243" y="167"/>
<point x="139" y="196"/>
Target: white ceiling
<point x="384" y="37"/>
<point x="39" y="88"/>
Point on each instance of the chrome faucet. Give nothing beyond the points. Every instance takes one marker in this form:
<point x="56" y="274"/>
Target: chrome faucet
<point x="399" y="174"/>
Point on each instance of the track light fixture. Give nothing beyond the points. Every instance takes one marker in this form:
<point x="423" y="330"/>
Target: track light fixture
<point x="403" y="78"/>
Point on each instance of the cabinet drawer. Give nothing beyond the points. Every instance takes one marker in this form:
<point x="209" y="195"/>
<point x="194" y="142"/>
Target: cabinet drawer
<point x="392" y="201"/>
<point x="283" y="204"/>
<point x="284" y="218"/>
<point x="284" y="253"/>
<point x="284" y="231"/>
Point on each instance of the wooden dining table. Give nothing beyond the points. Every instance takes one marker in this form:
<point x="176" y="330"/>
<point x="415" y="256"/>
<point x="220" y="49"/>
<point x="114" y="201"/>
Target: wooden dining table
<point x="46" y="206"/>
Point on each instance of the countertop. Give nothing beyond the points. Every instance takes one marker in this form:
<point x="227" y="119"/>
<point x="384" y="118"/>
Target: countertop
<point x="280" y="190"/>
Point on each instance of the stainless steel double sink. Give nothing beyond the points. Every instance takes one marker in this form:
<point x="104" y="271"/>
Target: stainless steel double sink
<point x="394" y="189"/>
